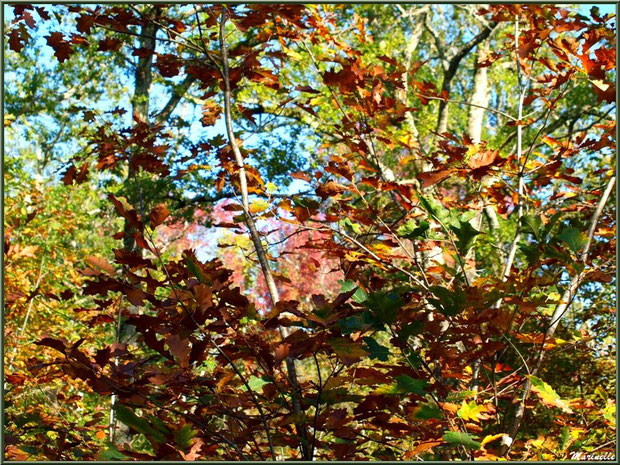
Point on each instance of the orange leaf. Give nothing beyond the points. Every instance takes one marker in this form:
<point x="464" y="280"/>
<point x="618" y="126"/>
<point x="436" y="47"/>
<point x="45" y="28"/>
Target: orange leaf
<point x="158" y="215"/>
<point x="433" y="177"/>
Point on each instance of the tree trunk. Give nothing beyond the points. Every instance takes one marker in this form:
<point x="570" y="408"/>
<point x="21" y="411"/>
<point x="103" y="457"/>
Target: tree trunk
<point x="143" y="78"/>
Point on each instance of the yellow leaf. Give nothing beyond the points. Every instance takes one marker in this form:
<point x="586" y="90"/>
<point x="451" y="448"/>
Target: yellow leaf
<point x="491" y="438"/>
<point x="258" y="206"/>
<point x="471" y="411"/>
<point x="547" y="395"/>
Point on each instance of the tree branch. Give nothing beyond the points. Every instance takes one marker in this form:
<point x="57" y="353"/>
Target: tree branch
<point x="560" y="310"/>
<point x="254" y="234"/>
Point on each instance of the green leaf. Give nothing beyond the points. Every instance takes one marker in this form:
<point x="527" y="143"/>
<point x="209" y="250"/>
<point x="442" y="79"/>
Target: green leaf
<point x="448" y="302"/>
<point x="406" y="383"/>
<point x="465" y="234"/>
<point x="383" y="307"/>
<point x="126" y="416"/>
<point x="193" y="267"/>
<point x="112" y="453"/>
<point x="376" y="350"/>
<point x="434" y="208"/>
<point x="426" y="412"/>
<point x="574" y="238"/>
<point x="565" y="439"/>
<point x="257" y="383"/>
<point x="306" y="202"/>
<point x="356" y="228"/>
<point x="414" y="359"/>
<point x="461" y="439"/>
<point x="409" y="330"/>
<point x="411" y="230"/>
<point x="347" y="286"/>
<point x="183" y="437"/>
<point x="351" y="324"/>
<point x="532" y="224"/>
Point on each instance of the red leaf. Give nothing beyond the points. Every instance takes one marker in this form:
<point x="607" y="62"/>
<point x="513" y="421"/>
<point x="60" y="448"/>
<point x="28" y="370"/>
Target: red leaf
<point x="109" y="43"/>
<point x="62" y="48"/>
<point x="180" y="349"/>
<point x="282" y="352"/>
<point x="16" y="380"/>
<point x="29" y="20"/>
<point x="16" y="40"/>
<point x="135" y="296"/>
<point x="53" y="343"/>
<point x="101" y="263"/>
<point x="42" y="13"/>
<point x="84" y="23"/>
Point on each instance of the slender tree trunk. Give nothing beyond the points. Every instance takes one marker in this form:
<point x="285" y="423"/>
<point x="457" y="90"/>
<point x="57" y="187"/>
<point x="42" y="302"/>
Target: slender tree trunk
<point x="479" y="97"/>
<point x="143" y="78"/>
<point x="257" y="242"/>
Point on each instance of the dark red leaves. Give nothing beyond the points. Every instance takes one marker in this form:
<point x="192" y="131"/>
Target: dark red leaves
<point x="73" y="174"/>
<point x="85" y="23"/>
<point x="18" y="38"/>
<point x="168" y="65"/>
<point x="180" y="349"/>
<point x="109" y="44"/>
<point x="53" y="343"/>
<point x="62" y="48"/>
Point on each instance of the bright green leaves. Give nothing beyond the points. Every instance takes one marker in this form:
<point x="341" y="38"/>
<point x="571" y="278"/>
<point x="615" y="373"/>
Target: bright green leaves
<point x="434" y="208"/>
<point x="356" y="228"/>
<point x="141" y="425"/>
<point x="411" y="230"/>
<point x="376" y="350"/>
<point x="257" y="383"/>
<point x="347" y="286"/>
<point x="547" y="395"/>
<point x="461" y="439"/>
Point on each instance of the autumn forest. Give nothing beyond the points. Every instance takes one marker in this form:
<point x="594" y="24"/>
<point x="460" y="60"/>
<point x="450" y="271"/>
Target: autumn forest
<point x="316" y="232"/>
